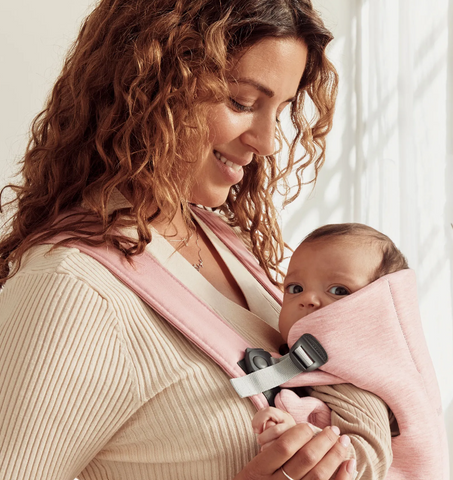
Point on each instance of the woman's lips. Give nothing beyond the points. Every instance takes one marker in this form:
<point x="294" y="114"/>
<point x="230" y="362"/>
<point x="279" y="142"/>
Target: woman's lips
<point x="228" y="163"/>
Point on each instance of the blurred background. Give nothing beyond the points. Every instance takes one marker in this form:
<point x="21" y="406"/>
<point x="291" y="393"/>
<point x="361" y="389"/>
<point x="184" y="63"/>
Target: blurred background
<point x="390" y="155"/>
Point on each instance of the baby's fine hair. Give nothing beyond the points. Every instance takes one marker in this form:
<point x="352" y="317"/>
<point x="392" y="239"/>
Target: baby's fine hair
<point x="392" y="259"/>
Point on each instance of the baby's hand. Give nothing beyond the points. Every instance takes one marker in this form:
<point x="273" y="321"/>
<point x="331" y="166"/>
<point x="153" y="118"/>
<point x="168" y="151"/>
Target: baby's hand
<point x="269" y="423"/>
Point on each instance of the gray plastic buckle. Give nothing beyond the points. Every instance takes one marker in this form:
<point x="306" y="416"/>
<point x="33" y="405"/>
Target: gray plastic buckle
<point x="308" y="354"/>
<point x="257" y="359"/>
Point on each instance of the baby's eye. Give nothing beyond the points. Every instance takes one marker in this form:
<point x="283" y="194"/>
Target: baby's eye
<point x="294" y="288"/>
<point x="340" y="291"/>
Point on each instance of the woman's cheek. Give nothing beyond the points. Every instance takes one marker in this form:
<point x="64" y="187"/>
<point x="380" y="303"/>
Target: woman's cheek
<point x="225" y="125"/>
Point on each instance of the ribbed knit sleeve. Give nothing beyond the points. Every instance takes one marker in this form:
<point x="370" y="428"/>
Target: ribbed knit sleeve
<point x="95" y="385"/>
<point x="365" y="418"/>
<point x="66" y="382"/>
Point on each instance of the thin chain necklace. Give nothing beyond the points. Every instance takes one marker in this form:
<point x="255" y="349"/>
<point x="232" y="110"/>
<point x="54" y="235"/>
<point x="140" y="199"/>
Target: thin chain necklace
<point x="199" y="264"/>
<point x="184" y="240"/>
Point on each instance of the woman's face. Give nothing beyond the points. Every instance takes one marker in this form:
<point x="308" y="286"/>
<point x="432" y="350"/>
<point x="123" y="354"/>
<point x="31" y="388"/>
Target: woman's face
<point x="264" y="81"/>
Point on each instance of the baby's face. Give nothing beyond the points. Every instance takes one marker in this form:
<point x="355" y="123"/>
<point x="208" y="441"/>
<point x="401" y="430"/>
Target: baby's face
<point x="323" y="272"/>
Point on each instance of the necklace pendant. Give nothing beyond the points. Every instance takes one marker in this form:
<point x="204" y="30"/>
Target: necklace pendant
<point x="198" y="265"/>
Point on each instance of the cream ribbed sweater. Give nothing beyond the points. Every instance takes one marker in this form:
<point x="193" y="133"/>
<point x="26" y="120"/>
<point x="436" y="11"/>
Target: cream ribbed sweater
<point x="95" y="385"/>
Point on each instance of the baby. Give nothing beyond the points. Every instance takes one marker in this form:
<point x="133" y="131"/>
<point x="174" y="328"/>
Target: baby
<point x="332" y="262"/>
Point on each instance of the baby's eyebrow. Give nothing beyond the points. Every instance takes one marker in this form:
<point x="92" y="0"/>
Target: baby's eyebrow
<point x="291" y="278"/>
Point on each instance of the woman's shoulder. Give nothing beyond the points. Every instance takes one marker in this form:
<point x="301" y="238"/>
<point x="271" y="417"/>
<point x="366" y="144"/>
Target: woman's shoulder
<point x="66" y="272"/>
<point x="64" y="288"/>
<point x="43" y="259"/>
<point x="60" y="264"/>
<point x="48" y="274"/>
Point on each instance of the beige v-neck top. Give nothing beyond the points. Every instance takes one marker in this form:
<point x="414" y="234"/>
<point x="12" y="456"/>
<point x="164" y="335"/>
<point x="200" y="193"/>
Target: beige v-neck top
<point x="95" y="385"/>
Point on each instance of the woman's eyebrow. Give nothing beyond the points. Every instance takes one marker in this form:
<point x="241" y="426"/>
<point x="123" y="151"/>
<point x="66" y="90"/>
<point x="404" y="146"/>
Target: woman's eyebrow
<point x="267" y="91"/>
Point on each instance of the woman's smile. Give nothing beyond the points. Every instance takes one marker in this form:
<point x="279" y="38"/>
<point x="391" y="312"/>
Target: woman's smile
<point x="234" y="166"/>
<point x="232" y="172"/>
<point x="242" y="129"/>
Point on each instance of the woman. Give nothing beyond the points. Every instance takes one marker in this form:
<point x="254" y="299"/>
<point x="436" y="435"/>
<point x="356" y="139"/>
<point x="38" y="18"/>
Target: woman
<point x="160" y="105"/>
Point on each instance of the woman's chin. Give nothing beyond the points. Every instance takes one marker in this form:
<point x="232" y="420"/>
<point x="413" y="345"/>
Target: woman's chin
<point x="209" y="201"/>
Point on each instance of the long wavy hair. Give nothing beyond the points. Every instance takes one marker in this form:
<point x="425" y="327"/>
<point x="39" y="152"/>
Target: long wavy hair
<point x="129" y="110"/>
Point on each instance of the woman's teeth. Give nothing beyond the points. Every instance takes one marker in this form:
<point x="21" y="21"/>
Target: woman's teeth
<point x="232" y="165"/>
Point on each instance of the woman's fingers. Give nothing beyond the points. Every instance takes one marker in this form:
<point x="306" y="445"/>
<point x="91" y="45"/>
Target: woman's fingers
<point x="347" y="471"/>
<point x="266" y="463"/>
<point x="320" y="457"/>
<point x="303" y="456"/>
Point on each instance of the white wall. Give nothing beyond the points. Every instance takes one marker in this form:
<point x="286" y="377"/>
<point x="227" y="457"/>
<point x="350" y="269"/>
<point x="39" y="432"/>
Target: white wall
<point x="35" y="35"/>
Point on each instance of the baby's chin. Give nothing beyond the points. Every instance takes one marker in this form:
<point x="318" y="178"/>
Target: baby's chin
<point x="285" y="329"/>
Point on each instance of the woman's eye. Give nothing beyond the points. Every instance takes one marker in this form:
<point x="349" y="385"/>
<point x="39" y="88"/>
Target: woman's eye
<point x="340" y="291"/>
<point x="239" y="107"/>
<point x="294" y="288"/>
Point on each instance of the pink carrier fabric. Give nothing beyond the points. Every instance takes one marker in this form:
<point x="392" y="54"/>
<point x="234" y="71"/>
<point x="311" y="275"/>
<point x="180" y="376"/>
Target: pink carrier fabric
<point x="374" y="340"/>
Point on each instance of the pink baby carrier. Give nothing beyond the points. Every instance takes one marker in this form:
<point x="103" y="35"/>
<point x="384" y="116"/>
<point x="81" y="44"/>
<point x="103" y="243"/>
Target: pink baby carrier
<point x="378" y="345"/>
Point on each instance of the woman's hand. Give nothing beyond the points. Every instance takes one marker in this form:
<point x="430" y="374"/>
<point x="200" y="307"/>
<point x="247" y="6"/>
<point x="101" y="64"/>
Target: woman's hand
<point x="303" y="456"/>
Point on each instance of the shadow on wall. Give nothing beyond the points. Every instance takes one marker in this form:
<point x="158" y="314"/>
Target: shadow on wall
<point x="333" y="199"/>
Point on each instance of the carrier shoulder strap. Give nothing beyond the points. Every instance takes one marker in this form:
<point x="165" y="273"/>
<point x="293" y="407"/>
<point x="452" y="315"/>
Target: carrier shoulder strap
<point x="157" y="287"/>
<point x="237" y="247"/>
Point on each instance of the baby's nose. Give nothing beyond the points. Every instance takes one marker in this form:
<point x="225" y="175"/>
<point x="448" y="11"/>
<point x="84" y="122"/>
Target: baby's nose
<point x="310" y="300"/>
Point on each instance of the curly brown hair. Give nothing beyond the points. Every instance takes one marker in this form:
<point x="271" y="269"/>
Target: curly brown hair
<point x="128" y="112"/>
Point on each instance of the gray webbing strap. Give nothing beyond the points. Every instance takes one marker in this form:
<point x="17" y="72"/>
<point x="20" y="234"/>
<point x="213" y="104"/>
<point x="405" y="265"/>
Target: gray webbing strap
<point x="265" y="373"/>
<point x="267" y="378"/>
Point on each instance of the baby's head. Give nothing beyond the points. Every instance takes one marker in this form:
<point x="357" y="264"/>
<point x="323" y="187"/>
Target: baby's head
<point x="332" y="262"/>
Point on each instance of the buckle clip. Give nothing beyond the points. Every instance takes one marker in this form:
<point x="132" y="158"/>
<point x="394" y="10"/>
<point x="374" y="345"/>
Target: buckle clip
<point x="257" y="359"/>
<point x="308" y="354"/>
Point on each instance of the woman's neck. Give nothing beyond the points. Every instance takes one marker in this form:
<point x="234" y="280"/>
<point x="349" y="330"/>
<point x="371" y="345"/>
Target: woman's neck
<point x="175" y="227"/>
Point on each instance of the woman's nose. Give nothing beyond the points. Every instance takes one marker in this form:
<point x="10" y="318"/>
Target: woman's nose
<point x="261" y="135"/>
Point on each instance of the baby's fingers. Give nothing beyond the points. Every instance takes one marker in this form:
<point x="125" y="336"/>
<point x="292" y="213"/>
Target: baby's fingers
<point x="268" y="417"/>
<point x="272" y="433"/>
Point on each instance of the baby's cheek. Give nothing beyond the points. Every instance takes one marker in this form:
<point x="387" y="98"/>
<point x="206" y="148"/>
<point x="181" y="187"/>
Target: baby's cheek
<point x="285" y="323"/>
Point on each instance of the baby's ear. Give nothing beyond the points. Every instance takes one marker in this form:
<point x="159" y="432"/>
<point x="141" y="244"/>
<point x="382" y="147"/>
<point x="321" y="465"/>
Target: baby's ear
<point x="304" y="409"/>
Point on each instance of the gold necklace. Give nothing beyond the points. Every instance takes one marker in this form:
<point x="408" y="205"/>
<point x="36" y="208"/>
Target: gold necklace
<point x="184" y="240"/>
<point x="199" y="264"/>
